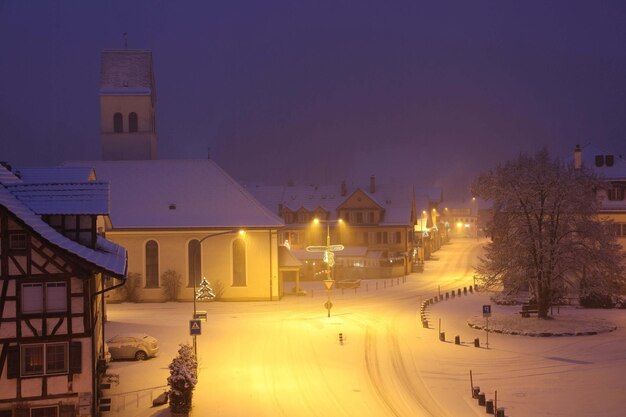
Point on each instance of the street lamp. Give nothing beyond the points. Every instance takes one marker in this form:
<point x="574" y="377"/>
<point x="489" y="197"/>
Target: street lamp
<point x="194" y="255"/>
<point x="329" y="257"/>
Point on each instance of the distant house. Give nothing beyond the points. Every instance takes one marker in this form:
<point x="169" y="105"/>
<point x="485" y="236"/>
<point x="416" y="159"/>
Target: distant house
<point x="612" y="169"/>
<point x="383" y="225"/>
<point x="52" y="268"/>
<point x="185" y="216"/>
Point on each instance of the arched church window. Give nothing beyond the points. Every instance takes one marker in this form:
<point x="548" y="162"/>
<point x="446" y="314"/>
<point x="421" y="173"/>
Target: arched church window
<point x="118" y="123"/>
<point x="239" y="263"/>
<point x="132" y="122"/>
<point x="195" y="254"/>
<point x="152" y="264"/>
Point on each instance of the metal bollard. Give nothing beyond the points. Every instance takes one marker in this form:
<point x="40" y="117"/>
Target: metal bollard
<point x="457" y="340"/>
<point x="477" y="342"/>
<point x="475" y="391"/>
<point x="459" y="292"/>
<point x="341" y="338"/>
<point x="425" y="323"/>
<point x="489" y="407"/>
<point x="500" y="412"/>
<point x="442" y="336"/>
<point x="481" y="398"/>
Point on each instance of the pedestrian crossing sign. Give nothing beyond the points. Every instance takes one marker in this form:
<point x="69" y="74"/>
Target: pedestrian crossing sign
<point x="195" y="327"/>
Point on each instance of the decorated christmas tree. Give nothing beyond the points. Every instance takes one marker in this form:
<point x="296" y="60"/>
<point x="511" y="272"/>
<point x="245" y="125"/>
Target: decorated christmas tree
<point x="205" y="292"/>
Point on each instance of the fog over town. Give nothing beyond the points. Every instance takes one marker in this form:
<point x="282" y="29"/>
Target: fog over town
<point x="310" y="209"/>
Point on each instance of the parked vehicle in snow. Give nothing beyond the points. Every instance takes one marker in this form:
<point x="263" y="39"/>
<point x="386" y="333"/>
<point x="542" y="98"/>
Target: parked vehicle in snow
<point x="138" y="346"/>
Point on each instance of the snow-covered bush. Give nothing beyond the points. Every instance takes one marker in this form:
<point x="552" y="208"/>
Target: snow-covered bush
<point x="172" y="282"/>
<point x="182" y="380"/>
<point x="130" y="291"/>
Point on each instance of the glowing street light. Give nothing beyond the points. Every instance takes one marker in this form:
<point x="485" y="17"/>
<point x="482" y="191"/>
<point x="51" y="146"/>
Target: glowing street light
<point x="195" y="293"/>
<point x="329" y="257"/>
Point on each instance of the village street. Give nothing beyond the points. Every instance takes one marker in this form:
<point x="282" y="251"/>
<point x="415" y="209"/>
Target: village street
<point x="287" y="358"/>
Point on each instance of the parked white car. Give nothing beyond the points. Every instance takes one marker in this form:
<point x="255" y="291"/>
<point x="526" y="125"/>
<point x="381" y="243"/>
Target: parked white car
<point x="138" y="346"/>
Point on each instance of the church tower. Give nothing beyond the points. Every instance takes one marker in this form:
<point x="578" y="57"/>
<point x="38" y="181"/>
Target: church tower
<point x="127" y="103"/>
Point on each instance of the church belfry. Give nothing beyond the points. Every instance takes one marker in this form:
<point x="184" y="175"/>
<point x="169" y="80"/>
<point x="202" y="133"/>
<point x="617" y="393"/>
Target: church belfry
<point x="127" y="105"/>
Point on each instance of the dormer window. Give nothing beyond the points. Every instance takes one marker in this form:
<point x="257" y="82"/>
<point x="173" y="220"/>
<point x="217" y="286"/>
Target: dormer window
<point x="608" y="160"/>
<point x="118" y="123"/>
<point x="132" y="122"/>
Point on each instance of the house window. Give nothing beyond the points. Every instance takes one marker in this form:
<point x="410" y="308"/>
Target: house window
<point x="239" y="263"/>
<point x="49" y="297"/>
<point x="194" y="262"/>
<point x="132" y="122"/>
<point x="152" y="264"/>
<point x="359" y="217"/>
<point x="615" y="193"/>
<point x="17" y="241"/>
<point x="40" y="359"/>
<point x="118" y="123"/>
<point x="56" y="358"/>
<point x="32" y="360"/>
<point x="50" y="411"/>
<point x="370" y="217"/>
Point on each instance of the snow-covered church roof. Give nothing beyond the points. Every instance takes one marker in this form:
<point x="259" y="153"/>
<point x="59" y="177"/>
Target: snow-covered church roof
<point x="155" y="194"/>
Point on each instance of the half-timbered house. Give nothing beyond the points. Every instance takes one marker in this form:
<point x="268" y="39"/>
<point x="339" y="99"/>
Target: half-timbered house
<point x="52" y="269"/>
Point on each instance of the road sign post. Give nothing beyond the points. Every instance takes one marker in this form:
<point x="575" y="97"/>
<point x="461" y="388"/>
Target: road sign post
<point x="486" y="315"/>
<point x="328" y="283"/>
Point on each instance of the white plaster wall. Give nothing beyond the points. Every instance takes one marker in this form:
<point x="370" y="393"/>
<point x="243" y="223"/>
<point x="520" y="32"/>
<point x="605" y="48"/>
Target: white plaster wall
<point x="7" y="330"/>
<point x="51" y="323"/>
<point x="77" y="325"/>
<point x="82" y="382"/>
<point x="31" y="387"/>
<point x="77" y="304"/>
<point x="58" y="385"/>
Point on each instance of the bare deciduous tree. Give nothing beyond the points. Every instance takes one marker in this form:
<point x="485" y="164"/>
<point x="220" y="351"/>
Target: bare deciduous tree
<point x="547" y="235"/>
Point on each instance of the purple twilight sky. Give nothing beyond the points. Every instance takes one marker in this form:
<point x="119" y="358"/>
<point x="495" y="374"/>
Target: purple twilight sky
<point x="319" y="91"/>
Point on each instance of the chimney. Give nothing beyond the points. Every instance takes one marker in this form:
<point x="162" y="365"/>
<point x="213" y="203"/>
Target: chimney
<point x="372" y="184"/>
<point x="578" y="157"/>
<point x="344" y="188"/>
<point x="280" y="209"/>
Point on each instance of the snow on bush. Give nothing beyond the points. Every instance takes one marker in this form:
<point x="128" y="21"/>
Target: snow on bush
<point x="182" y="380"/>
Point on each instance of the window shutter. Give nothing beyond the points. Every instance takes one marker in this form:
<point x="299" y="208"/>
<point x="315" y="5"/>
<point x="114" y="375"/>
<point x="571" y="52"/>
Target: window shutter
<point x="13" y="362"/>
<point x="76" y="357"/>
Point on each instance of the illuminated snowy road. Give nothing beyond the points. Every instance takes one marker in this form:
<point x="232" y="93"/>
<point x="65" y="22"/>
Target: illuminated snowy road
<point x="285" y="358"/>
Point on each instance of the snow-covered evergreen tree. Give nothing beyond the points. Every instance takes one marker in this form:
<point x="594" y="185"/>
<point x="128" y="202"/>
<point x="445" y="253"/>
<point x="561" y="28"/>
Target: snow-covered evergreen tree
<point x="182" y="380"/>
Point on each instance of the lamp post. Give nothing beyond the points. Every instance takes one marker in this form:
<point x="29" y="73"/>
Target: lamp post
<point x="194" y="255"/>
<point x="329" y="257"/>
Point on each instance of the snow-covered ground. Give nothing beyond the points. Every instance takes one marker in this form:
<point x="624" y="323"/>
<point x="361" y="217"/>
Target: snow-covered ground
<point x="286" y="359"/>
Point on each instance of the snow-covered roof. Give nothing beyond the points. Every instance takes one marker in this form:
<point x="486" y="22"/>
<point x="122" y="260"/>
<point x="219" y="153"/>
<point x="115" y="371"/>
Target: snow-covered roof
<point x="8" y="177"/>
<point x="608" y="165"/>
<point x="394" y="198"/>
<point x="155" y="194"/>
<point x="107" y="257"/>
<point x="38" y="175"/>
<point x="286" y="259"/>
<point x="88" y="198"/>
<point x="126" y="69"/>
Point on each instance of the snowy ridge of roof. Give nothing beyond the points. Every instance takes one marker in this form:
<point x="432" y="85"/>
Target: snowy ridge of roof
<point x="8" y="177"/>
<point x="39" y="175"/>
<point x="107" y="257"/>
<point x="178" y="194"/>
<point x="126" y="68"/>
<point x="64" y="198"/>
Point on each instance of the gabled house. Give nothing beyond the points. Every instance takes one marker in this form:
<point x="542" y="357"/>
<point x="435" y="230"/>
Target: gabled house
<point x="53" y="265"/>
<point x="379" y="227"/>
